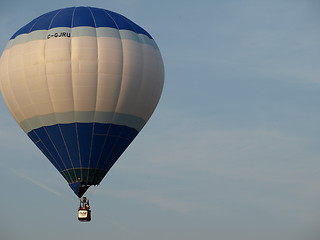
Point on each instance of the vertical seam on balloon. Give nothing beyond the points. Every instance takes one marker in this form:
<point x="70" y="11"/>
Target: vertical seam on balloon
<point x="111" y="152"/>
<point x="40" y="118"/>
<point x="45" y="44"/>
<point x="27" y="84"/>
<point x="9" y="84"/>
<point x="65" y="144"/>
<point x="14" y="97"/>
<point x="11" y="89"/>
<point x="24" y="71"/>
<point x="49" y="27"/>
<point x="71" y="27"/>
<point x="36" y="22"/>
<point x="112" y="149"/>
<point x="106" y="137"/>
<point x="72" y="89"/>
<point x="142" y="59"/>
<point x="8" y="69"/>
<point x="52" y="107"/>
<point x="116" y="107"/>
<point x="96" y="98"/>
<point x="57" y="165"/>
<point x="107" y="134"/>
<point x="54" y="113"/>
<point x="45" y="129"/>
<point x="74" y="113"/>
<point x="58" y="124"/>
<point x="109" y="125"/>
<point x="122" y="65"/>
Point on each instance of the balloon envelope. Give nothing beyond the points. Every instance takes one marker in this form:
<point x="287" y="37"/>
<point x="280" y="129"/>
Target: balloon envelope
<point x="81" y="82"/>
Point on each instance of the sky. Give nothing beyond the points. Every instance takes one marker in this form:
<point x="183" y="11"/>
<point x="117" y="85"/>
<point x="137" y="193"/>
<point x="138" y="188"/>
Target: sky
<point x="231" y="152"/>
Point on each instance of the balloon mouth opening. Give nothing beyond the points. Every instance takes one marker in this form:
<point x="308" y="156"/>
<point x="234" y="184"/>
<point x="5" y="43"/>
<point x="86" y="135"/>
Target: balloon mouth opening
<point x="79" y="188"/>
<point x="80" y="179"/>
<point x="82" y="190"/>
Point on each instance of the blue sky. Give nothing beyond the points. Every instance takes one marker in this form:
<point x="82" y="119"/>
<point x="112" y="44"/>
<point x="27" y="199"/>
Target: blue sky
<point x="232" y="151"/>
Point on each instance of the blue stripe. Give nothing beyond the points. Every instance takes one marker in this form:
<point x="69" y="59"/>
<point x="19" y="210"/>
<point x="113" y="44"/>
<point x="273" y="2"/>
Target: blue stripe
<point x="81" y="16"/>
<point x="57" y="144"/>
<point x="83" y="145"/>
<point x="69" y="131"/>
<point x="45" y="144"/>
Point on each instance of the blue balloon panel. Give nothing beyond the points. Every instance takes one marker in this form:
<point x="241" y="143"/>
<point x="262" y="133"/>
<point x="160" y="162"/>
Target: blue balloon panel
<point x="81" y="17"/>
<point x="83" y="152"/>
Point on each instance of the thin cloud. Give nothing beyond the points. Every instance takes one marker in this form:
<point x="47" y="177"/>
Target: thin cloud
<point x="164" y="202"/>
<point x="43" y="186"/>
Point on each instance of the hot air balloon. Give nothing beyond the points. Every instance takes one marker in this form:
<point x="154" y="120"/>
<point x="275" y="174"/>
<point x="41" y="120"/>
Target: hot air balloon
<point x="81" y="82"/>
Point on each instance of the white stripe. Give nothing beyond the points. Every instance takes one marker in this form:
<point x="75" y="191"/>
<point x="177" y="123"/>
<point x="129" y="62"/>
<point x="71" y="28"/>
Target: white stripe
<point x="100" y="77"/>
